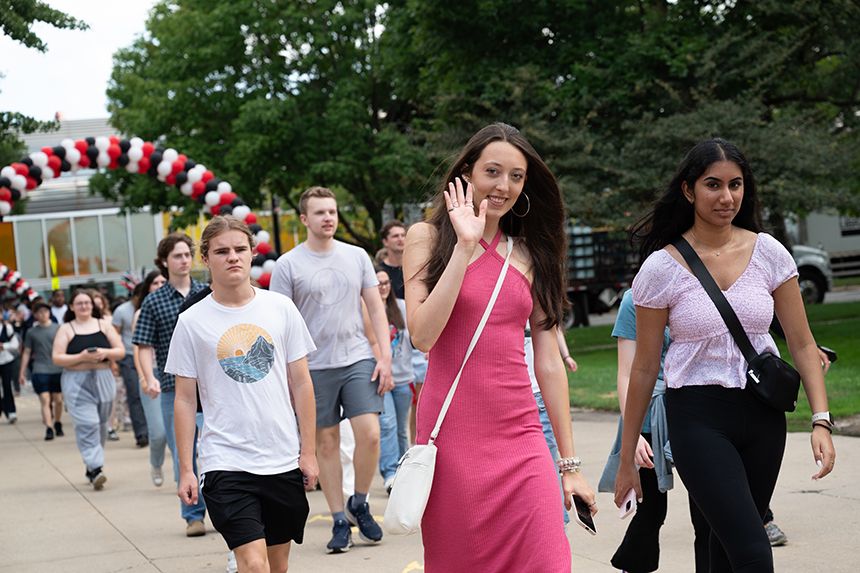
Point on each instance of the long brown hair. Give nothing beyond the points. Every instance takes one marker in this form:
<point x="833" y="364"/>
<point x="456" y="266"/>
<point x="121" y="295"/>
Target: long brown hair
<point x="392" y="311"/>
<point x="70" y="312"/>
<point x="542" y="227"/>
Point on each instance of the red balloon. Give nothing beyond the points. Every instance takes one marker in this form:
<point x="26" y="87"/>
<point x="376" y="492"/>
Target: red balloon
<point x="250" y="219"/>
<point x="114" y="151"/>
<point x="84" y="162"/>
<point x="49" y="151"/>
<point x="178" y="166"/>
<point x="31" y="183"/>
<point x="198" y="188"/>
<point x="182" y="157"/>
<point x="147" y="149"/>
<point x="81" y="145"/>
<point x="21" y="169"/>
<point x="113" y="164"/>
<point x="114" y="140"/>
<point x="5" y="194"/>
<point x="215" y="210"/>
<point x="55" y="163"/>
<point x="264" y="248"/>
<point x="207" y="175"/>
<point x="264" y="280"/>
<point x="143" y="164"/>
<point x="227" y="198"/>
<point x="170" y="179"/>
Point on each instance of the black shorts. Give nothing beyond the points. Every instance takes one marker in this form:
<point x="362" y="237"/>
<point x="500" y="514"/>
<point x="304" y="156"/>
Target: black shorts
<point x="245" y="507"/>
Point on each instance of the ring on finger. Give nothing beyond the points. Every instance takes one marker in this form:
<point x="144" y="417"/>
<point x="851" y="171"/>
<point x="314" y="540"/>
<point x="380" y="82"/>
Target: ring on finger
<point x="451" y="209"/>
<point x="455" y="204"/>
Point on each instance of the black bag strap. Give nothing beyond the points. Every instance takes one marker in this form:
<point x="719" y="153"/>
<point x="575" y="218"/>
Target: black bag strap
<point x="717" y="296"/>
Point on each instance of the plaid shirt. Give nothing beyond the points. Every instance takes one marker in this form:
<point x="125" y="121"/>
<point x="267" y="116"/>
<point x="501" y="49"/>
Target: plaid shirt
<point x="158" y="316"/>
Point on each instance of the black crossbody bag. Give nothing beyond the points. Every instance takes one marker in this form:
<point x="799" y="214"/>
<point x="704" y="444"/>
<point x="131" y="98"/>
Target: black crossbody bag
<point x="773" y="380"/>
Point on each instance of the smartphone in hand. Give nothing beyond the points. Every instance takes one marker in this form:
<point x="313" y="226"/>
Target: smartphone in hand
<point x="92" y="349"/>
<point x="582" y="515"/>
<point x="628" y="505"/>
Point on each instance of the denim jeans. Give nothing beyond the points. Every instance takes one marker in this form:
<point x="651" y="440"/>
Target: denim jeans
<point x="189" y="512"/>
<point x="154" y="429"/>
<point x="551" y="443"/>
<point x="394" y="428"/>
<point x="132" y="393"/>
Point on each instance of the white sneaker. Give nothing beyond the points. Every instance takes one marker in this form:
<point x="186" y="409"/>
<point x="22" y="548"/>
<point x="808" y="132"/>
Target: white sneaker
<point x="13" y="417"/>
<point x="157" y="476"/>
<point x="231" y="563"/>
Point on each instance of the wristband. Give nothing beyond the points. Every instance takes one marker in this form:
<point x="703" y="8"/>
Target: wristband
<point x="822" y="417"/>
<point x="822" y="424"/>
<point x="566" y="465"/>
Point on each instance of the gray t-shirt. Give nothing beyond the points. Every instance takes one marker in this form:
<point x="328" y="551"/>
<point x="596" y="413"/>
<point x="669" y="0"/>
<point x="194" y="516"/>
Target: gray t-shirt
<point x="326" y="288"/>
<point x="40" y="341"/>
<point x="122" y="318"/>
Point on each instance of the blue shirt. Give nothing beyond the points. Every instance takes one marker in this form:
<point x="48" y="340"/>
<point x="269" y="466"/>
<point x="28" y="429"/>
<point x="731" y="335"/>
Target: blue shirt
<point x="158" y="315"/>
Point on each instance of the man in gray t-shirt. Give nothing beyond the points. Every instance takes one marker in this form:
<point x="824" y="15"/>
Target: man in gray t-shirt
<point x="328" y="280"/>
<point x="39" y="344"/>
<point x="122" y="318"/>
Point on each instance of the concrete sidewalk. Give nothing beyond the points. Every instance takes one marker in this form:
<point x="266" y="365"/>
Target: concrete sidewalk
<point x="51" y="520"/>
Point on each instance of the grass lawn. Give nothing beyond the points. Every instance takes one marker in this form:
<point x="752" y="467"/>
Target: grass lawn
<point x="835" y="325"/>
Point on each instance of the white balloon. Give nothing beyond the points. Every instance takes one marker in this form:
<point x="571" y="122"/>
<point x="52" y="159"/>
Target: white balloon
<point x="24" y="193"/>
<point x="73" y="156"/>
<point x="200" y="167"/>
<point x="135" y="153"/>
<point x="256" y="272"/>
<point x="135" y="142"/>
<point x="68" y="143"/>
<point x="241" y="212"/>
<point x="19" y="182"/>
<point x="8" y="172"/>
<point x="47" y="173"/>
<point x="262" y="237"/>
<point x="102" y="143"/>
<point x="206" y="210"/>
<point x="224" y="187"/>
<point x="131" y="167"/>
<point x="269" y="266"/>
<point x="170" y="155"/>
<point x="5" y="207"/>
<point x="39" y="158"/>
<point x="164" y="168"/>
<point x="103" y="160"/>
<point x="186" y="189"/>
<point x="194" y="176"/>
<point x="212" y="198"/>
<point x="161" y="178"/>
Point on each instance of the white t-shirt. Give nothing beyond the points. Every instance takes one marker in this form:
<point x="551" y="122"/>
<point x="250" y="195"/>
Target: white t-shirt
<point x="326" y="288"/>
<point x="239" y="358"/>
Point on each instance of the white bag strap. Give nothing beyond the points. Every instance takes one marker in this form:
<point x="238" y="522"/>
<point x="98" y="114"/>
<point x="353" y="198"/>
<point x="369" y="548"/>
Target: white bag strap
<point x="474" y="342"/>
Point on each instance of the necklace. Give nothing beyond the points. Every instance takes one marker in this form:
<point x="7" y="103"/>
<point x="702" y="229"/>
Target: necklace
<point x="719" y="249"/>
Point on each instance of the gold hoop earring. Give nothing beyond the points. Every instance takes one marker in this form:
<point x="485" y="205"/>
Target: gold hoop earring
<point x="528" y="207"/>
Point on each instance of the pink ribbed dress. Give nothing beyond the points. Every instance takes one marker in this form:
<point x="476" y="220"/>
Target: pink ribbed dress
<point x="495" y="502"/>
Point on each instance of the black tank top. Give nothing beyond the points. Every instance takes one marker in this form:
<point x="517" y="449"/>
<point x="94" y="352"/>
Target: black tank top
<point x="81" y="342"/>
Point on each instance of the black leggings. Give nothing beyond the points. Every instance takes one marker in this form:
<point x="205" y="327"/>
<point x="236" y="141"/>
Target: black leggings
<point x="728" y="448"/>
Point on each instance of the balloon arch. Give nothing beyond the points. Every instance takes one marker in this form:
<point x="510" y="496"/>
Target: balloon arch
<point x="134" y="155"/>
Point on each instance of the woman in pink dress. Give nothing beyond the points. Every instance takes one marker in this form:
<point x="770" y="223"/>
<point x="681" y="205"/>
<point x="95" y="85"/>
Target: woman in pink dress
<point x="494" y="503"/>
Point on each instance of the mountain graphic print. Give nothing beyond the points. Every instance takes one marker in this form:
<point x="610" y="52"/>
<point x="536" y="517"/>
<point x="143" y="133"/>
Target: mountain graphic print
<point x="246" y="353"/>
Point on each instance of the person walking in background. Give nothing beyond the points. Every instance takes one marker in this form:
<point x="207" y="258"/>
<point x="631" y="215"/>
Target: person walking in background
<point x="328" y="280"/>
<point x="727" y="444"/>
<point x="150" y="398"/>
<point x="393" y="234"/>
<point x="122" y="320"/>
<point x="9" y="345"/>
<point x="152" y="334"/>
<point x="394" y="421"/>
<point x="84" y="347"/>
<point x="245" y="350"/>
<point x="38" y="347"/>
<point x="58" y="305"/>
<point x="492" y="459"/>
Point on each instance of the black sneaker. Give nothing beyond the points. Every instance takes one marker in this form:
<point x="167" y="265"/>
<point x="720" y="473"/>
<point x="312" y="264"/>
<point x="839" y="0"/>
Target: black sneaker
<point x="368" y="529"/>
<point x="341" y="537"/>
<point x="142" y="441"/>
<point x="97" y="478"/>
<point x="49" y="434"/>
<point x="58" y="429"/>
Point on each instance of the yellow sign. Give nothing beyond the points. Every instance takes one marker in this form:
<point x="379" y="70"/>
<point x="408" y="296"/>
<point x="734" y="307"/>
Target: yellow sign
<point x="55" y="280"/>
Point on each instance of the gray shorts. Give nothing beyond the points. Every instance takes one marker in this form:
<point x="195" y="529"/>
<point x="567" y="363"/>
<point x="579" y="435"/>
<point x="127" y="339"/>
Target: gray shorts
<point x="348" y="388"/>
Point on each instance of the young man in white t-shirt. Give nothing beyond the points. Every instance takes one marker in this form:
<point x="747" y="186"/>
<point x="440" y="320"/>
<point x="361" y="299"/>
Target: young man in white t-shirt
<point x="245" y="350"/>
<point x="328" y="280"/>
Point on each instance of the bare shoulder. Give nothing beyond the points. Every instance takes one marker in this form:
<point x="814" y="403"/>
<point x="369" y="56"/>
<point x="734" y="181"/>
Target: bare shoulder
<point x="419" y="233"/>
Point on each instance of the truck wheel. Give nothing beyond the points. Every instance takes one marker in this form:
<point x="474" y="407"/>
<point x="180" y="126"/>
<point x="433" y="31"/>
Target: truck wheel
<point x="811" y="287"/>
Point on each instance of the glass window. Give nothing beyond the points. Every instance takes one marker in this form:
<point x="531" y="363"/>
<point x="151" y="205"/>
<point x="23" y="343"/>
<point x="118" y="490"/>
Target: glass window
<point x="60" y="242"/>
<point x="88" y="244"/>
<point x="116" y="243"/>
<point x="143" y="237"/>
<point x="31" y="256"/>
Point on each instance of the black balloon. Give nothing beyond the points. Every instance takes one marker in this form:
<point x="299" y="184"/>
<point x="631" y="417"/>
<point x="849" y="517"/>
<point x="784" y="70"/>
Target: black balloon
<point x="255" y="228"/>
<point x="271" y="255"/>
<point x="65" y="166"/>
<point x="201" y="198"/>
<point x="124" y="145"/>
<point x="35" y="172"/>
<point x="258" y="260"/>
<point x="212" y="184"/>
<point x="93" y="153"/>
<point x="38" y="181"/>
<point x="90" y="140"/>
<point x="189" y="164"/>
<point x="27" y="161"/>
<point x="4" y="182"/>
<point x="236" y="202"/>
<point x="181" y="178"/>
<point x="155" y="158"/>
<point x="15" y="194"/>
<point x="122" y="160"/>
<point x="226" y="210"/>
<point x="60" y="151"/>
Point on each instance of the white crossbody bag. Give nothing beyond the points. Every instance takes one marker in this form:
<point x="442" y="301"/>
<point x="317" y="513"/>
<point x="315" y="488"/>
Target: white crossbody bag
<point x="414" y="478"/>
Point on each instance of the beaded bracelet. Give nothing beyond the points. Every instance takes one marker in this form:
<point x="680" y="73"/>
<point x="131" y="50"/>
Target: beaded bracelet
<point x="569" y="465"/>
